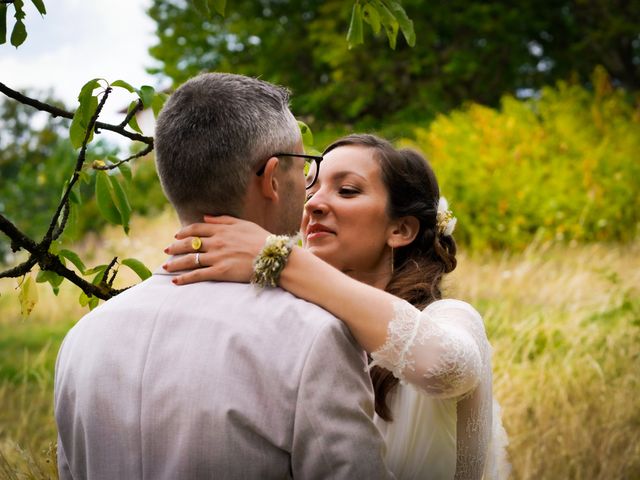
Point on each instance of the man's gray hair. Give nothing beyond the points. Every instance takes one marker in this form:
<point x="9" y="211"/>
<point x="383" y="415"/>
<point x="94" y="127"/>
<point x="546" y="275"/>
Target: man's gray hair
<point x="212" y="134"/>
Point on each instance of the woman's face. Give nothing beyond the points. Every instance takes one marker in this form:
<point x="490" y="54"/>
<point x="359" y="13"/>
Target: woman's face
<point x="345" y="220"/>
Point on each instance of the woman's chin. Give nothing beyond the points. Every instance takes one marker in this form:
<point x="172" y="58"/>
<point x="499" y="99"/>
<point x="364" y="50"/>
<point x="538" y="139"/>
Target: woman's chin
<point x="322" y="251"/>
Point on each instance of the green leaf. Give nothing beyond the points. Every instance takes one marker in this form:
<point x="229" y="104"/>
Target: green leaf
<point x="138" y="267"/>
<point x="202" y="7"/>
<point x="217" y="5"/>
<point x="93" y="302"/>
<point x="307" y="135"/>
<point x="96" y="269"/>
<point x="354" y="35"/>
<point x="83" y="299"/>
<point x="74" y="258"/>
<point x="120" y="200"/>
<point x="28" y="295"/>
<point x="158" y="102"/>
<point x="97" y="279"/>
<point x="133" y="123"/>
<point x="52" y="278"/>
<point x="73" y="195"/>
<point x="3" y="23"/>
<point x="85" y="177"/>
<point x="19" y="34"/>
<point x="73" y="227"/>
<point x="104" y="199"/>
<point x="125" y="169"/>
<point x="406" y="25"/>
<point x="40" y="6"/>
<point x="372" y="17"/>
<point x="388" y="21"/>
<point x="146" y="94"/>
<point x="84" y="113"/>
<point x="123" y="84"/>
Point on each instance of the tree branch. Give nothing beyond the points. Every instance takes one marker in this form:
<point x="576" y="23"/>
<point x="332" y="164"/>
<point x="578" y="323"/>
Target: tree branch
<point x="48" y="238"/>
<point x="39" y="253"/>
<point x="18" y="239"/>
<point x="20" y="270"/>
<point x="48" y="261"/>
<point x="130" y="115"/>
<point x="148" y="149"/>
<point x="58" y="112"/>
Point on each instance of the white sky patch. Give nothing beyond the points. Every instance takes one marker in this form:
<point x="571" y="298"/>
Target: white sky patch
<point x="78" y="40"/>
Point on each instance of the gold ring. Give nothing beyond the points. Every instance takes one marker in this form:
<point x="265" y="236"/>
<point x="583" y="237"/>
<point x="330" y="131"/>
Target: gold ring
<point x="198" y="259"/>
<point x="196" y="243"/>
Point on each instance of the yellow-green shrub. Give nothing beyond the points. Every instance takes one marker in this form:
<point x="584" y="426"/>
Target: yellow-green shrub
<point x="564" y="166"/>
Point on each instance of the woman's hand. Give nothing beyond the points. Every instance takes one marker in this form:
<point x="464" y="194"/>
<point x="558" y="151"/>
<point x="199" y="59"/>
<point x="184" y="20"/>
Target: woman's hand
<point x="229" y="246"/>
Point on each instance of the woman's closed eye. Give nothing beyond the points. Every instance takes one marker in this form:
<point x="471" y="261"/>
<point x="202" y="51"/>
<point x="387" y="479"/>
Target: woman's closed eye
<point x="348" y="191"/>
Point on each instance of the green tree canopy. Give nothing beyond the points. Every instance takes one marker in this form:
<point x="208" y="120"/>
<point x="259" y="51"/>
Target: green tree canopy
<point x="464" y="51"/>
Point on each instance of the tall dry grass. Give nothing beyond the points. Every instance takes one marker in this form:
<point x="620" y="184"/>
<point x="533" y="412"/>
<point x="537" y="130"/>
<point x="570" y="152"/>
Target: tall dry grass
<point x="565" y="327"/>
<point x="564" y="323"/>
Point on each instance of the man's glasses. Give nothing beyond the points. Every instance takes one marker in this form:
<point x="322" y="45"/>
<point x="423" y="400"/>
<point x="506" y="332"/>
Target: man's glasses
<point x="311" y="166"/>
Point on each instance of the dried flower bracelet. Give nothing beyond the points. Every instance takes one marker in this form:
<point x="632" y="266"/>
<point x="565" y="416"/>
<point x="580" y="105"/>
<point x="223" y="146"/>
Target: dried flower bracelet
<point x="272" y="259"/>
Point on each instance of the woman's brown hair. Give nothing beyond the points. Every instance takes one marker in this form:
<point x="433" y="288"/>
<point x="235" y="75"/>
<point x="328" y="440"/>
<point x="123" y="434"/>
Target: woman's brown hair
<point x="418" y="268"/>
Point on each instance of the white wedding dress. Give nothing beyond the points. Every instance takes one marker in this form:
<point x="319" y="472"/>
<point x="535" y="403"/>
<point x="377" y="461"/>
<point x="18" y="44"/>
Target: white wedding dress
<point x="446" y="424"/>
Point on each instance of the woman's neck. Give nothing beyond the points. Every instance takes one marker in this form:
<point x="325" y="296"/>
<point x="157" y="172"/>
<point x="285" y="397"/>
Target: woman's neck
<point x="376" y="279"/>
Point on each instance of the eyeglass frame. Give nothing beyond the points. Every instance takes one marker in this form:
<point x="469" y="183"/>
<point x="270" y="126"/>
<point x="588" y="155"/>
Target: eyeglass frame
<point x="316" y="158"/>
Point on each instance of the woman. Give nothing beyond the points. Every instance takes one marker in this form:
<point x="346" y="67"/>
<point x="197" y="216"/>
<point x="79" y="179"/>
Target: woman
<point x="372" y="213"/>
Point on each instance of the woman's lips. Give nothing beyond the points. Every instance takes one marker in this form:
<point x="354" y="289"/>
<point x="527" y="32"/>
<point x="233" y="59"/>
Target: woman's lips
<point x="318" y="231"/>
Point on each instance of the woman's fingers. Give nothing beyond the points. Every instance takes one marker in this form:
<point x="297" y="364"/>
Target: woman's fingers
<point x="180" y="247"/>
<point x="193" y="276"/>
<point x="221" y="220"/>
<point x="197" y="230"/>
<point x="206" y="229"/>
<point x="186" y="262"/>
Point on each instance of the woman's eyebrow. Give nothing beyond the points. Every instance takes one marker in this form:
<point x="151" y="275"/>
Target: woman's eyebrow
<point x="336" y="176"/>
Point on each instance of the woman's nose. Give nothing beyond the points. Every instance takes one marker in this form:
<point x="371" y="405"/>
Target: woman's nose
<point x="316" y="205"/>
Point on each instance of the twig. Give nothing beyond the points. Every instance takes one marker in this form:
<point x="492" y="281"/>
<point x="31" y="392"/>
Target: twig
<point x="105" y="276"/>
<point x="58" y="112"/>
<point x="48" y="238"/>
<point x="148" y="149"/>
<point x="47" y="261"/>
<point x="130" y="115"/>
<point x="20" y="270"/>
<point x="39" y="253"/>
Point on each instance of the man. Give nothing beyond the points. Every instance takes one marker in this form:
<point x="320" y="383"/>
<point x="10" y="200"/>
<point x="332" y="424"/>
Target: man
<point x="218" y="380"/>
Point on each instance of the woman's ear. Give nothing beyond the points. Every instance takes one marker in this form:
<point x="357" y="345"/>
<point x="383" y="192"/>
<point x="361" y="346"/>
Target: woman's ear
<point x="269" y="186"/>
<point x="403" y="231"/>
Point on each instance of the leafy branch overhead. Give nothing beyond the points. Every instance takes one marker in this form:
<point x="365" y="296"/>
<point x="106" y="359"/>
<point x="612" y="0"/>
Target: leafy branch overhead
<point x="110" y="193"/>
<point x="380" y="14"/>
<point x="112" y="176"/>
<point x="19" y="31"/>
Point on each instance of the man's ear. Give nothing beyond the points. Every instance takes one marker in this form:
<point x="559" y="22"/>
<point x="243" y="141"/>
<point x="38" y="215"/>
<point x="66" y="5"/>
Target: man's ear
<point x="403" y="231"/>
<point x="269" y="186"/>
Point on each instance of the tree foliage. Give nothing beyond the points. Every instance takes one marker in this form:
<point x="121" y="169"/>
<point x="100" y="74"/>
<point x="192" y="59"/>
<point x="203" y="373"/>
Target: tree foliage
<point x="27" y="157"/>
<point x="464" y="51"/>
<point x="562" y="167"/>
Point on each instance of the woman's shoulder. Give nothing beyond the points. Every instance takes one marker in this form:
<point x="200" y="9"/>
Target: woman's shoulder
<point x="454" y="311"/>
<point x="453" y="305"/>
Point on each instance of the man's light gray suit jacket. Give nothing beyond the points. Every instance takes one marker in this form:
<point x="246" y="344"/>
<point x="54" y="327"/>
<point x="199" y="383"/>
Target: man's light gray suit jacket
<point x="213" y="380"/>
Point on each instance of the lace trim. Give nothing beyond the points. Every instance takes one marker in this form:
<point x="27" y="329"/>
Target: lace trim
<point x="435" y="350"/>
<point x="401" y="332"/>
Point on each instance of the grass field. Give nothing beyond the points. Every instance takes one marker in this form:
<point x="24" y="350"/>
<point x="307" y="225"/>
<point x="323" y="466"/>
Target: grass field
<point x="564" y="323"/>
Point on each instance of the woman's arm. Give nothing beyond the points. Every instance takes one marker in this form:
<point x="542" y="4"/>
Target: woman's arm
<point x="229" y="246"/>
<point x="415" y="346"/>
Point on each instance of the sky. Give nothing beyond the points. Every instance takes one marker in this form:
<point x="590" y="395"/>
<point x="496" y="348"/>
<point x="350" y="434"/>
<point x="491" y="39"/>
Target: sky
<point x="78" y="40"/>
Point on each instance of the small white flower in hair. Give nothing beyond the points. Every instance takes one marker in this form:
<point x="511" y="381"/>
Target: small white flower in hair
<point x="445" y="221"/>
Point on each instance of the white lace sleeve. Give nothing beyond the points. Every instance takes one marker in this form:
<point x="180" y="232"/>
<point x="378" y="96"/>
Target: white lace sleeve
<point x="444" y="352"/>
<point x="438" y="350"/>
